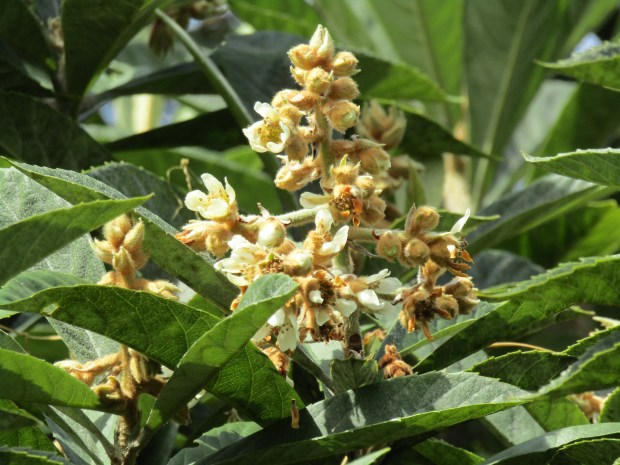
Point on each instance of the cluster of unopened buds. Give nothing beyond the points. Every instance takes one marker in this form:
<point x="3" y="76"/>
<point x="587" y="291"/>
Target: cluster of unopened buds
<point x="299" y="125"/>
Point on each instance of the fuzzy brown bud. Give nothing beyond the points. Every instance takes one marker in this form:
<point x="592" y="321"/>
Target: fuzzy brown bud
<point x="389" y="245"/>
<point x="134" y="237"/>
<point x="344" y="64"/>
<point x="305" y="100"/>
<point x="373" y="210"/>
<point x="295" y="175"/>
<point x="342" y="114"/>
<point x="114" y="231"/>
<point x="345" y="173"/>
<point x="283" y="97"/>
<point x="415" y="253"/>
<point x="104" y="250"/>
<point x="344" y="88"/>
<point x="318" y="81"/>
<point x="303" y="57"/>
<point x="387" y="128"/>
<point x="296" y="148"/>
<point x="123" y="263"/>
<point x="421" y="219"/>
<point x="114" y="278"/>
<point x="271" y="232"/>
<point x="161" y="287"/>
<point x="374" y="160"/>
<point x="447" y="306"/>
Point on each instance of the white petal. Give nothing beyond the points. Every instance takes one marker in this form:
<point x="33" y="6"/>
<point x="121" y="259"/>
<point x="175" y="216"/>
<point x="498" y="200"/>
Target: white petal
<point x="337" y="243"/>
<point x="286" y="132"/>
<point x="458" y="226"/>
<point x="287" y="338"/>
<point x="217" y="208"/>
<point x="345" y="307"/>
<point x="323" y="220"/>
<point x="275" y="148"/>
<point x="230" y="191"/>
<point x="266" y="110"/>
<point x="315" y="297"/>
<point x="237" y="280"/>
<point x="384" y="273"/>
<point x="194" y="199"/>
<point x="213" y="185"/>
<point x="369" y="299"/>
<point x="262" y="333"/>
<point x="277" y="319"/>
<point x="388" y="286"/>
<point x="310" y="200"/>
<point x="322" y="317"/>
<point x="239" y="241"/>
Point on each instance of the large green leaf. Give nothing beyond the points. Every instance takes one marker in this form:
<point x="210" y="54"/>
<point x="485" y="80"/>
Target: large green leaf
<point x="545" y="295"/>
<point x="601" y="166"/>
<point x="541" y="449"/>
<point x="21" y="29"/>
<point x="190" y="267"/>
<point x="14" y="79"/>
<point x="28" y="241"/>
<point x="439" y="452"/>
<point x="588" y="452"/>
<point x="34" y="132"/>
<point x="164" y="330"/>
<point x="547" y="198"/>
<point x="94" y="33"/>
<point x="24" y="456"/>
<point x="376" y="414"/>
<point x="28" y="379"/>
<point x="611" y="408"/>
<point x="281" y="15"/>
<point x="598" y="65"/>
<point x="588" y="120"/>
<point x="216" y="131"/>
<point x="210" y="353"/>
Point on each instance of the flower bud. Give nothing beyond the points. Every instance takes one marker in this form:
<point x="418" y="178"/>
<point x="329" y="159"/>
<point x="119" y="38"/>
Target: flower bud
<point x="271" y="232"/>
<point x="305" y="100"/>
<point x="283" y="97"/>
<point x="344" y="64"/>
<point x="366" y="185"/>
<point x="295" y="175"/>
<point x="345" y="173"/>
<point x="318" y="81"/>
<point x="103" y="250"/>
<point x="373" y="210"/>
<point x="342" y="114"/>
<point x="161" y="287"/>
<point x="463" y="290"/>
<point x="299" y="75"/>
<point x="303" y="57"/>
<point x="114" y="231"/>
<point x="344" y="88"/>
<point x="123" y="263"/>
<point x="374" y="160"/>
<point x="134" y="237"/>
<point x="322" y="43"/>
<point x="447" y="306"/>
<point x="415" y="253"/>
<point x="421" y="219"/>
<point x="389" y="245"/>
<point x="388" y="128"/>
<point x="443" y="249"/>
<point x="298" y="262"/>
<point x="114" y="278"/>
<point x="291" y="113"/>
<point x="296" y="149"/>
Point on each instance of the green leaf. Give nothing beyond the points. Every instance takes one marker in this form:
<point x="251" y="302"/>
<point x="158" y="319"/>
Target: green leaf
<point x="424" y="138"/>
<point x="28" y="379"/>
<point x="442" y="453"/>
<point x="214" y="440"/>
<point x="494" y="267"/>
<point x="601" y="166"/>
<point x="132" y="181"/>
<point x="177" y="259"/>
<point x="541" y="449"/>
<point x="402" y="407"/>
<point x="292" y="17"/>
<point x="526" y="370"/>
<point x="597" y="368"/>
<point x="164" y="330"/>
<point x="598" y="65"/>
<point x="36" y="133"/>
<point x="12" y="417"/>
<point x="14" y="79"/>
<point x="547" y="198"/>
<point x="588" y="120"/>
<point x="27" y="242"/>
<point x="589" y="452"/>
<point x="371" y="458"/>
<point x="21" y="29"/>
<point x="217" y="130"/>
<point x="611" y="408"/>
<point x="352" y="374"/>
<point x="210" y="353"/>
<point x="30" y="437"/>
<point x="94" y="33"/>
<point x="24" y="456"/>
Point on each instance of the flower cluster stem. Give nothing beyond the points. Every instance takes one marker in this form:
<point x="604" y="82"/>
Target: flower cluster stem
<point x="325" y="148"/>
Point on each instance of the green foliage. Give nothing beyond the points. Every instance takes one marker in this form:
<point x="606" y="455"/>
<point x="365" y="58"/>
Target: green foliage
<point x="95" y="125"/>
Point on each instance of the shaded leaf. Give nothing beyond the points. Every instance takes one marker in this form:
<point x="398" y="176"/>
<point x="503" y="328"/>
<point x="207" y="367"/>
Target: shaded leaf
<point x="611" y="408"/>
<point x="13" y="79"/>
<point x="292" y="17"/>
<point x="210" y="353"/>
<point x="352" y="374"/>
<point x="541" y="449"/>
<point x="600" y="166"/>
<point x="27" y="242"/>
<point x="36" y="133"/>
<point x="371" y="458"/>
<point x="547" y="198"/>
<point x="164" y="330"/>
<point x="24" y="456"/>
<point x="589" y="452"/>
<point x="373" y="415"/>
<point x="442" y="453"/>
<point x="597" y="65"/>
<point x="177" y="259"/>
<point x="28" y="379"/>
<point x="30" y="437"/>
<point x="494" y="267"/>
<point x="12" y="417"/>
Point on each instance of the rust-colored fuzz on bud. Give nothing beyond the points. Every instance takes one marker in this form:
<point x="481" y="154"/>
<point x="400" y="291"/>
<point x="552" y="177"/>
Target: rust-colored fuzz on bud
<point x="387" y="128"/>
<point x="134" y="237"/>
<point x="344" y="88"/>
<point x="114" y="278"/>
<point x="421" y="219"/>
<point x="463" y="290"/>
<point x="296" y="148"/>
<point x="344" y="64"/>
<point x="415" y="253"/>
<point x="318" y="81"/>
<point x="345" y="174"/>
<point x="283" y="97"/>
<point x="374" y="160"/>
<point x="114" y="231"/>
<point x="392" y="363"/>
<point x="280" y="360"/>
<point x="304" y="57"/>
<point x="305" y="100"/>
<point x="373" y="210"/>
<point x="342" y="114"/>
<point x="291" y="113"/>
<point x="389" y="245"/>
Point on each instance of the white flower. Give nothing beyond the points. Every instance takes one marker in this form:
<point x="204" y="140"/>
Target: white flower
<point x="324" y="222"/>
<point x="219" y="204"/>
<point x="458" y="226"/>
<point x="345" y="307"/>
<point x="244" y="255"/>
<point x="286" y="321"/>
<point x="366" y="290"/>
<point x="310" y="200"/>
<point x="270" y="134"/>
